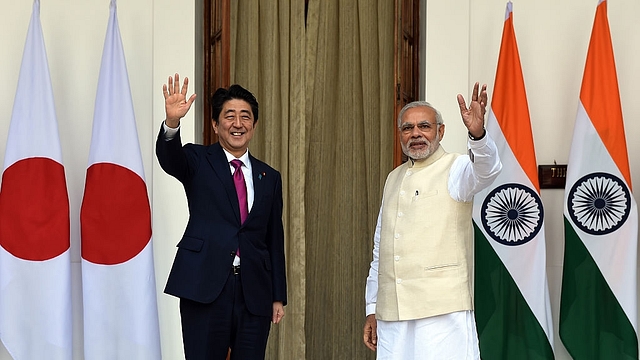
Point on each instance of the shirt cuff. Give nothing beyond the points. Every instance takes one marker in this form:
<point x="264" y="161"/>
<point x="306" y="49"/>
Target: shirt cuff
<point x="480" y="142"/>
<point x="169" y="133"/>
<point x="370" y="309"/>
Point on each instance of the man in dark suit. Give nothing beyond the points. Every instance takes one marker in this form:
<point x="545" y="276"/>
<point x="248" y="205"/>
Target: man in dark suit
<point x="229" y="269"/>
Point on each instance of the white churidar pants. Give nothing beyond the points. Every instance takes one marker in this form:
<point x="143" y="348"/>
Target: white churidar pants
<point x="443" y="337"/>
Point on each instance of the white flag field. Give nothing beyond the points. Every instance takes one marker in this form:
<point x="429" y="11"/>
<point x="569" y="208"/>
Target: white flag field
<point x="512" y="307"/>
<point x="118" y="281"/>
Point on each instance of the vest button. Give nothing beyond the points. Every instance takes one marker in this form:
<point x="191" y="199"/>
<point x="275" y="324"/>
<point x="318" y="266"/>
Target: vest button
<point x="402" y="192"/>
<point x="396" y="258"/>
<point x="398" y="281"/>
<point x="400" y="214"/>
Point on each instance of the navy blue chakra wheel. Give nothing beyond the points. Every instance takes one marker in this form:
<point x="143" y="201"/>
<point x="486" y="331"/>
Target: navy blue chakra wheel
<point x="512" y="214"/>
<point x="598" y="203"/>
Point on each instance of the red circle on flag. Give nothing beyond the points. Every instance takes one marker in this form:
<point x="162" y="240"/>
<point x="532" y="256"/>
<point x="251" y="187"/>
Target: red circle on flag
<point x="34" y="209"/>
<point x="115" y="218"/>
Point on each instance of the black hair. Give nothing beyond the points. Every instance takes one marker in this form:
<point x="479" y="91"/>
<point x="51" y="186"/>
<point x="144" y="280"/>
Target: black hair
<point x="236" y="92"/>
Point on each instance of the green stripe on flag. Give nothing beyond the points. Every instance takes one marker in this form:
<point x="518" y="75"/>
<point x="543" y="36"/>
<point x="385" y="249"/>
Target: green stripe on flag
<point x="507" y="328"/>
<point x="593" y="325"/>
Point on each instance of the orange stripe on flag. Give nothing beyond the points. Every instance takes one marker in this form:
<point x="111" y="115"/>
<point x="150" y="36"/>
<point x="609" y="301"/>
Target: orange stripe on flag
<point x="600" y="95"/>
<point x="509" y="103"/>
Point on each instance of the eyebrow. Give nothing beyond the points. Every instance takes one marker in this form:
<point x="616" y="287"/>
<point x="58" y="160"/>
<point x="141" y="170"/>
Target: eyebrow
<point x="241" y="111"/>
<point x="423" y="122"/>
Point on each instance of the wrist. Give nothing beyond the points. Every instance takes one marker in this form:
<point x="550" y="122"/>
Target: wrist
<point x="476" y="138"/>
<point x="172" y="123"/>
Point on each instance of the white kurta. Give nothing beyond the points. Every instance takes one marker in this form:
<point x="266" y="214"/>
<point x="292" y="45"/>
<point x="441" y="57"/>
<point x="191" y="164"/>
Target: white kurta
<point x="444" y="337"/>
<point x="449" y="336"/>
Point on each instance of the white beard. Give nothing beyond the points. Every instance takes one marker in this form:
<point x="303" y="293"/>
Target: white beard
<point x="424" y="153"/>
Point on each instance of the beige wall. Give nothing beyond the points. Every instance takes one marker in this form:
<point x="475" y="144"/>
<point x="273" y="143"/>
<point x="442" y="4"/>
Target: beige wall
<point x="462" y="42"/>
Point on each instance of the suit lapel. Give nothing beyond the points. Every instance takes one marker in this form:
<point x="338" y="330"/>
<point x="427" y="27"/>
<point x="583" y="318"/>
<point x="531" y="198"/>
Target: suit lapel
<point x="218" y="161"/>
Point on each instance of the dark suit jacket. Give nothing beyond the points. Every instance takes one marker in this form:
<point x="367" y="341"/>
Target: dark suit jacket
<point x="206" y="251"/>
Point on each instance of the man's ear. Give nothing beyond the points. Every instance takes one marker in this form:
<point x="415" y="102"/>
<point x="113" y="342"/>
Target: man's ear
<point x="441" y="131"/>
<point x="214" y="125"/>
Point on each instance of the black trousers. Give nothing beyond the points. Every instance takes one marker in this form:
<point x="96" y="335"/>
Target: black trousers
<point x="209" y="330"/>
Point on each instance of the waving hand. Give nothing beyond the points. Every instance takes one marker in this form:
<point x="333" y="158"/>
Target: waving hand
<point x="473" y="116"/>
<point x="176" y="104"/>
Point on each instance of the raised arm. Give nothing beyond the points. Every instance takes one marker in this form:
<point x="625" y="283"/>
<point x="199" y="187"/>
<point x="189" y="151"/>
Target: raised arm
<point x="470" y="174"/>
<point x="176" y="104"/>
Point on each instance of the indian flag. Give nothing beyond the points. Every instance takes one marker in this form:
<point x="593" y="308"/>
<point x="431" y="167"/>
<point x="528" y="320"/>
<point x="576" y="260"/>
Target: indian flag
<point x="598" y="308"/>
<point x="513" y="312"/>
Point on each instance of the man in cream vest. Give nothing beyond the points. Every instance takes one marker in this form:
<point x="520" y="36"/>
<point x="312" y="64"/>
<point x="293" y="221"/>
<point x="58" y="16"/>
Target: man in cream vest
<point x="418" y="293"/>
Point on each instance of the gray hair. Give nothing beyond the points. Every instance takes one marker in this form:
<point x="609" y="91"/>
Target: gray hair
<point x="418" y="104"/>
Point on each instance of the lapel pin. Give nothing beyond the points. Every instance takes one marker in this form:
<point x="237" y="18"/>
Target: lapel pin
<point x="261" y="175"/>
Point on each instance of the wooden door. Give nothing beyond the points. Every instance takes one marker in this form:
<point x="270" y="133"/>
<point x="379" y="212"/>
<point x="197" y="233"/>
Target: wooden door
<point x="217" y="59"/>
<point x="406" y="63"/>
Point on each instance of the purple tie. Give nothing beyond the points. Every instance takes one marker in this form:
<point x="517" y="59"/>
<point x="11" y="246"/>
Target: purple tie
<point x="241" y="189"/>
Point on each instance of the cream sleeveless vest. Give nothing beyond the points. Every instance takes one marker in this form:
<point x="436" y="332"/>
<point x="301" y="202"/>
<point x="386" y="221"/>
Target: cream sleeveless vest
<point x="425" y="243"/>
